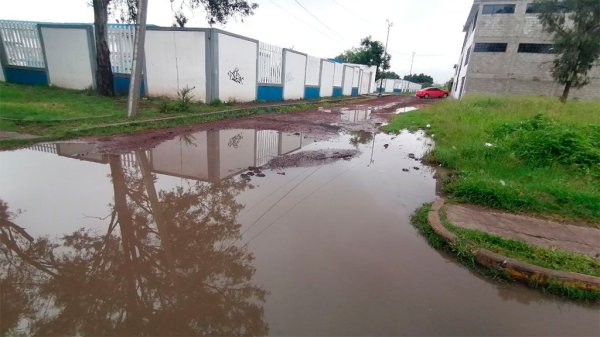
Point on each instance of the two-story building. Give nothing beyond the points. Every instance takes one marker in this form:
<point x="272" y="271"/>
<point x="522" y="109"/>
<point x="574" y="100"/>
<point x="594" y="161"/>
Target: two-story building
<point x="507" y="52"/>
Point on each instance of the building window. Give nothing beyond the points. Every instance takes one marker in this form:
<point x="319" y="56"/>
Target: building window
<point x="490" y="47"/>
<point x="536" y="48"/>
<point x="467" y="56"/>
<point x="535" y="8"/>
<point x="498" y="9"/>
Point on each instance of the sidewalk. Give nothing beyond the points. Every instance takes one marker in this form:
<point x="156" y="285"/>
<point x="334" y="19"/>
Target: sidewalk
<point x="545" y="233"/>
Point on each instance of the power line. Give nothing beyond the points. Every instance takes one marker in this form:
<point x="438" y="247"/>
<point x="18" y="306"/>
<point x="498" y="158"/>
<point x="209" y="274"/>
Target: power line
<point x="316" y="18"/>
<point x="300" y="20"/>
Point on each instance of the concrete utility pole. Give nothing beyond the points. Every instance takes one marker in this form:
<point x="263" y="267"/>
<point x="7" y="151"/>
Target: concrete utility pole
<point x="138" y="60"/>
<point x="389" y="24"/>
<point x="411" y="67"/>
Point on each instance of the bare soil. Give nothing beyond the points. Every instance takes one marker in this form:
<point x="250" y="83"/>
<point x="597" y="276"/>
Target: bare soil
<point x="319" y="123"/>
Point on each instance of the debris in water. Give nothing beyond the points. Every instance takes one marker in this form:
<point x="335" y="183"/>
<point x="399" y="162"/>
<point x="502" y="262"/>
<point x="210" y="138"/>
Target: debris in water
<point x="245" y="176"/>
<point x="411" y="155"/>
<point x="386" y="145"/>
<point x="281" y="173"/>
<point x="261" y="175"/>
<point x="250" y="173"/>
<point x="416" y="168"/>
<point x="405" y="170"/>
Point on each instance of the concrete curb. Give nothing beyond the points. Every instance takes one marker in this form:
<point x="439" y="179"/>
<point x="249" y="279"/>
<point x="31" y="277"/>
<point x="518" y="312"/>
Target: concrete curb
<point x="519" y="270"/>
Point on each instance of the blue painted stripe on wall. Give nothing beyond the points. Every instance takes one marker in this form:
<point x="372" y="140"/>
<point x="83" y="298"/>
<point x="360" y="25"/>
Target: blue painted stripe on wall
<point x="354" y="92"/>
<point x="312" y="92"/>
<point x="269" y="93"/>
<point x="337" y="91"/>
<point x="26" y="76"/>
<point x="121" y="85"/>
<point x="398" y="91"/>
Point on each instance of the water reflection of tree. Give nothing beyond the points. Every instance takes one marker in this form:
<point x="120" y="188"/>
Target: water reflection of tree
<point x="360" y="137"/>
<point x="166" y="265"/>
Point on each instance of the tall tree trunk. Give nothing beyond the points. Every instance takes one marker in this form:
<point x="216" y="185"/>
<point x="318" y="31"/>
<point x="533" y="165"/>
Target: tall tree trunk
<point x="565" y="93"/>
<point x="104" y="75"/>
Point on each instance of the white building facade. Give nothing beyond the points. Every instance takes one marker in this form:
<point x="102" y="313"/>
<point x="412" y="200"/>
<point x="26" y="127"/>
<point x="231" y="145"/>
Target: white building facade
<point x="507" y="52"/>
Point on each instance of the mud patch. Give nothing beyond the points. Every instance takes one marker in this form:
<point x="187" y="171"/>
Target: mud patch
<point x="311" y="158"/>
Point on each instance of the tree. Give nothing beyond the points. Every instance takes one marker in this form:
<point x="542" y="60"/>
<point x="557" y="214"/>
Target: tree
<point x="370" y="53"/>
<point x="424" y="80"/>
<point x="217" y="11"/>
<point x="390" y="74"/>
<point x="167" y="263"/>
<point x="575" y="29"/>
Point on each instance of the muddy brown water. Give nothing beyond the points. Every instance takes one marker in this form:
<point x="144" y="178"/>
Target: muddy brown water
<point x="195" y="236"/>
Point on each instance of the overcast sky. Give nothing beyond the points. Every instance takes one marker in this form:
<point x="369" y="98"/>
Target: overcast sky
<point x="430" y="28"/>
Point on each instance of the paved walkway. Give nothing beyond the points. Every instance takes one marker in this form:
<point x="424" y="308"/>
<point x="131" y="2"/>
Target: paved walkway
<point x="552" y="234"/>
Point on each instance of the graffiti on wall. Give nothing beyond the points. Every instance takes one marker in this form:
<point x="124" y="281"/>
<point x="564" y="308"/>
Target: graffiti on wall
<point x="235" y="76"/>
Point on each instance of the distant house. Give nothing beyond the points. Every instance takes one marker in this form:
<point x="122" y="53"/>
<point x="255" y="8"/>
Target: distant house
<point x="506" y="52"/>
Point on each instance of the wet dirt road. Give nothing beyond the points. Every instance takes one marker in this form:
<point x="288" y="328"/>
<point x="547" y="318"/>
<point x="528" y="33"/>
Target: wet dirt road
<point x="283" y="224"/>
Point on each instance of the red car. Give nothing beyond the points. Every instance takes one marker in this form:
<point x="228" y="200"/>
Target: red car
<point x="432" y="93"/>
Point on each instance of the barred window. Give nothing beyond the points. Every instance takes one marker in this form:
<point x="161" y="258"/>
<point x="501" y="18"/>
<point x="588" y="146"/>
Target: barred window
<point x="535" y="8"/>
<point x="536" y="48"/>
<point x="499" y="9"/>
<point x="490" y="47"/>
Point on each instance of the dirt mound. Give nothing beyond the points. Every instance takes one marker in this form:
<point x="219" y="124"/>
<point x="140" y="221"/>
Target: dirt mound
<point x="311" y="158"/>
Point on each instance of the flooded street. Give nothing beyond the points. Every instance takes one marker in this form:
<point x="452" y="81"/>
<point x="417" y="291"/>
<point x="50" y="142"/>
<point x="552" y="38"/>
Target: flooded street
<point x="259" y="226"/>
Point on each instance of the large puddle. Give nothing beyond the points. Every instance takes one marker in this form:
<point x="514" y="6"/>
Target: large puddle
<point x="205" y="234"/>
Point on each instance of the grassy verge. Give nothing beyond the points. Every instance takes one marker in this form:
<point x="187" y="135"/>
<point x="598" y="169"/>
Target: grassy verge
<point x="519" y="250"/>
<point x="521" y="154"/>
<point x="54" y="113"/>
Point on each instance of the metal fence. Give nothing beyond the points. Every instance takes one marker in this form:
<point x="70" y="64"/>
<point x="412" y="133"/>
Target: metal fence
<point x="267" y="146"/>
<point x="270" y="63"/>
<point x="120" y="43"/>
<point x="22" y="44"/>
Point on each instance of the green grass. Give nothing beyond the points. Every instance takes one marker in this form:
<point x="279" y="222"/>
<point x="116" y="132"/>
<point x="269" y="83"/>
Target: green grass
<point x="519" y="250"/>
<point x="544" y="158"/>
<point x="54" y="113"/>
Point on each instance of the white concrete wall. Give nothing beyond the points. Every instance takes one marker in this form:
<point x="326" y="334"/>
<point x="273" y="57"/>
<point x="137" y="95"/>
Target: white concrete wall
<point x="175" y="60"/>
<point x="338" y="74"/>
<point x="389" y="85"/>
<point x="348" y="79"/>
<point x="356" y="78"/>
<point x="327" y="79"/>
<point x="365" y="82"/>
<point x="294" y="75"/>
<point x="68" y="57"/>
<point x="313" y="69"/>
<point x="237" y="68"/>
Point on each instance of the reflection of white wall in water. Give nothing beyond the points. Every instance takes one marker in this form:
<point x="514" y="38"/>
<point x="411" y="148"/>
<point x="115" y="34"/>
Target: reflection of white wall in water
<point x="290" y="142"/>
<point x="348" y="79"/>
<point x="327" y="79"/>
<point x="81" y="151"/>
<point x="175" y="60"/>
<point x="338" y="75"/>
<point x="355" y="115"/>
<point x="2" y="78"/>
<point x="236" y="150"/>
<point x="183" y="156"/>
<point x="295" y="68"/>
<point x="237" y="68"/>
<point x="267" y="146"/>
<point x="68" y="57"/>
<point x="313" y="68"/>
